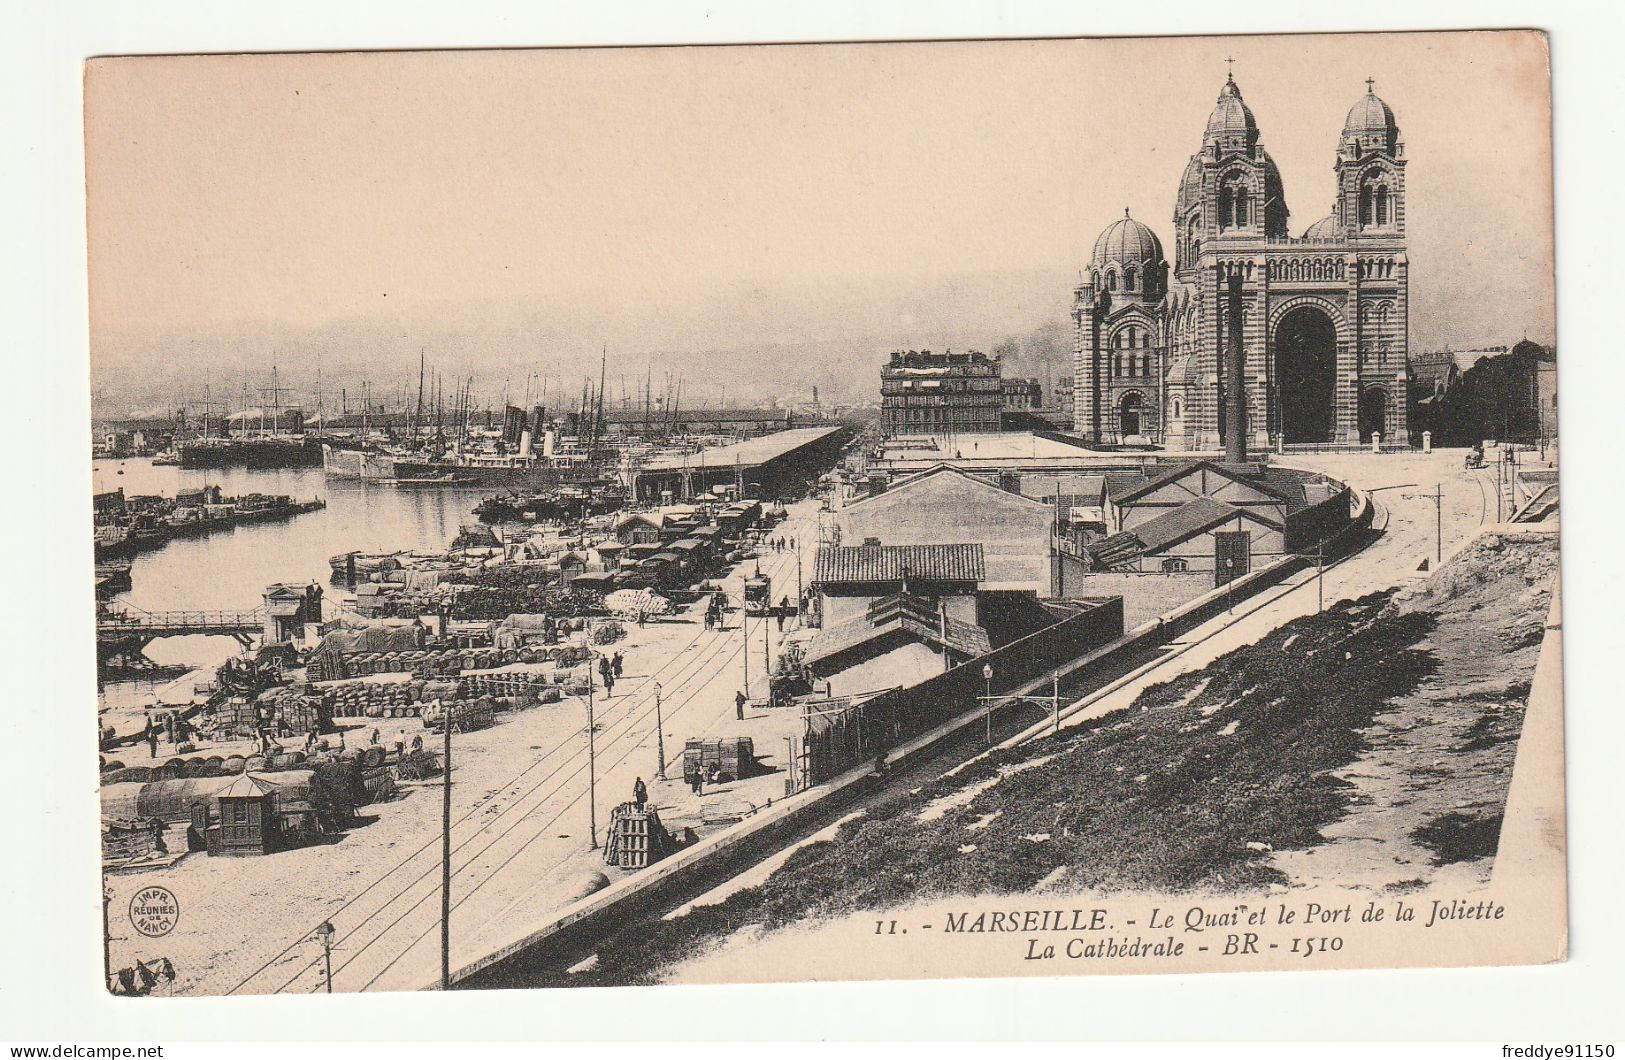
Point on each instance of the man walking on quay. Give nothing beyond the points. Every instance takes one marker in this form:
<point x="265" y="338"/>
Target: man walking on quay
<point x="152" y="738"/>
<point x="640" y="793"/>
<point x="739" y="705"/>
<point x="616" y="664"/>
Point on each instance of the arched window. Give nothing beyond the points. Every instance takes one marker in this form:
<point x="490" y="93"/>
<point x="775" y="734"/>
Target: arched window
<point x="1241" y="207"/>
<point x="1129" y="278"/>
<point x="1365" y="205"/>
<point x="1227" y="197"/>
<point x="1174" y="565"/>
<point x="1382" y="204"/>
<point x="1111" y="280"/>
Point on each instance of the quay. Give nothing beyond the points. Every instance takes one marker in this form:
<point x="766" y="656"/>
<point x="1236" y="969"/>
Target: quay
<point x="125" y="526"/>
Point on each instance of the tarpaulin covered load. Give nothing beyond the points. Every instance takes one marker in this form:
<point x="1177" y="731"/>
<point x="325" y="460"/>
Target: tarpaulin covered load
<point x="171" y="801"/>
<point x="419" y="580"/>
<point x="635" y="602"/>
<point x="326" y="661"/>
<point x="520" y="629"/>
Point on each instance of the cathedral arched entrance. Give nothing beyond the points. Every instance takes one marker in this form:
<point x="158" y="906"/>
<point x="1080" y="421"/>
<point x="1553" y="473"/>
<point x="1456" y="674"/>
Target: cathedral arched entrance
<point x="1305" y="347"/>
<point x="1373" y="412"/>
<point x="1130" y="414"/>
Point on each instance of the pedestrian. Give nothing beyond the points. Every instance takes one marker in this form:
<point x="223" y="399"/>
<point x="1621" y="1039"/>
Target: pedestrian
<point x="618" y="664"/>
<point x="640" y="793"/>
<point x="710" y="620"/>
<point x="374" y="740"/>
<point x="739" y="705"/>
<point x="609" y="684"/>
<point x="699" y="781"/>
<point x="780" y="616"/>
<point x="152" y="738"/>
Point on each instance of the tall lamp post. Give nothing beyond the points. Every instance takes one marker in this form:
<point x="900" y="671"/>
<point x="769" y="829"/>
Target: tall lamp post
<point x="445" y="853"/>
<point x="987" y="688"/>
<point x="592" y="763"/>
<point x="660" y="736"/>
<point x="325" y="934"/>
<point x="744" y="638"/>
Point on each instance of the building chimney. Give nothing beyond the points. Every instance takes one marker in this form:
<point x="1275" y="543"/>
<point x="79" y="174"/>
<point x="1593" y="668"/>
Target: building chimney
<point x="1235" y="377"/>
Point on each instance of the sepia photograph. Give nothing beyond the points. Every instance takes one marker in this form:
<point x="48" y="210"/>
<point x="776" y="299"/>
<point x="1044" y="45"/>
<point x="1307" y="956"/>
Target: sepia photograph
<point x="707" y="515"/>
<point x="667" y="525"/>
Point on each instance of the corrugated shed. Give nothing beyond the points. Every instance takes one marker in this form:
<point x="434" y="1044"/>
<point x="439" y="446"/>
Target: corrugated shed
<point x="858" y="564"/>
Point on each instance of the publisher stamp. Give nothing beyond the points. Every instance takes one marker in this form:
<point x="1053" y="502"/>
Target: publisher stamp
<point x="154" y="911"/>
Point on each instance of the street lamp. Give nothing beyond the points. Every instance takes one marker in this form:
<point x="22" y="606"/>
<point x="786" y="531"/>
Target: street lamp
<point x="325" y="933"/>
<point x="592" y="762"/>
<point x="660" y="735"/>
<point x="987" y="688"/>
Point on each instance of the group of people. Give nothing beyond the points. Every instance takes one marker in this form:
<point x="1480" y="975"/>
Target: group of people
<point x="400" y="747"/>
<point x="610" y="668"/>
<point x="696" y="776"/>
<point x="781" y="544"/>
<point x="170" y="725"/>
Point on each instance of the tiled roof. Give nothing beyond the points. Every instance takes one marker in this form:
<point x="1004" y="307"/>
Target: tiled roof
<point x="934" y="475"/>
<point x="965" y="638"/>
<point x="1123" y="488"/>
<point x="1202" y="513"/>
<point x="1198" y="516"/>
<point x="890" y="563"/>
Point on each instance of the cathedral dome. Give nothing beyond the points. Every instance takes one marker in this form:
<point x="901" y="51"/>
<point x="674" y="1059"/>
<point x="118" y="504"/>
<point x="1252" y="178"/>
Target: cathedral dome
<point x="1190" y="185"/>
<point x="1371" y="122"/>
<point x="1231" y="114"/>
<point x="1325" y="228"/>
<point x="1127" y="242"/>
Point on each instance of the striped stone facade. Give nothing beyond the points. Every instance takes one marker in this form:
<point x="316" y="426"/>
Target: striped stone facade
<point x="1325" y="315"/>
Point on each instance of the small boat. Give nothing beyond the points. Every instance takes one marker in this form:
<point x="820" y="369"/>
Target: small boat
<point x="365" y="562"/>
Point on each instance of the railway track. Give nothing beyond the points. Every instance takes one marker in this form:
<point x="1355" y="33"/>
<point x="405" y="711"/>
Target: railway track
<point x="400" y="896"/>
<point x="1010" y="725"/>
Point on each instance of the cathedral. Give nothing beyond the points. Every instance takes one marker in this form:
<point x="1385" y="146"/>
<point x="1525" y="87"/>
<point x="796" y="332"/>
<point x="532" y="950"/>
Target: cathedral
<point x="1319" y="319"/>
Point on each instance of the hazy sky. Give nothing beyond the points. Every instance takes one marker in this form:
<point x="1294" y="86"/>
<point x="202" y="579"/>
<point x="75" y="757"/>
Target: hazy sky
<point x="765" y="218"/>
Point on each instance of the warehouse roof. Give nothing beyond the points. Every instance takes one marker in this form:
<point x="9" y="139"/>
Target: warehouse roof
<point x="750" y="453"/>
<point x="1199" y="516"/>
<point x="906" y="619"/>
<point x="892" y="563"/>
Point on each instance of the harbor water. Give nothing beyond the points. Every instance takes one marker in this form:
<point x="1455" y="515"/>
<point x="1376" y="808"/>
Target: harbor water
<point x="230" y="569"/>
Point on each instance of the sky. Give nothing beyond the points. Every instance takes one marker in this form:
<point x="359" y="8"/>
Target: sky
<point x="756" y="220"/>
